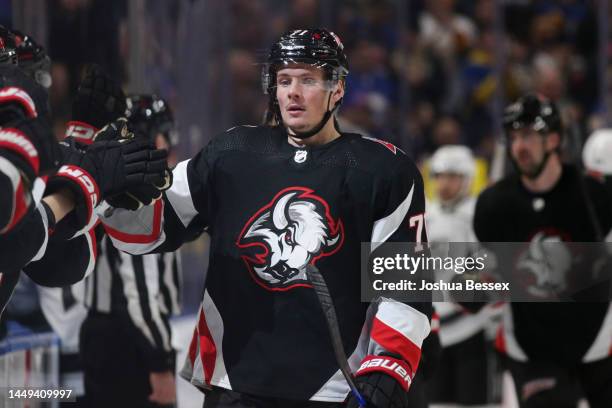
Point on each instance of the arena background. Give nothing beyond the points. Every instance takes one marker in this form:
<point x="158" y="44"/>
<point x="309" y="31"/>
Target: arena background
<point x="423" y="73"/>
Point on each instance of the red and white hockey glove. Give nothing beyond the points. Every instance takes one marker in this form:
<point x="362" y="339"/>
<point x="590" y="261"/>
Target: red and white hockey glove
<point x="383" y="382"/>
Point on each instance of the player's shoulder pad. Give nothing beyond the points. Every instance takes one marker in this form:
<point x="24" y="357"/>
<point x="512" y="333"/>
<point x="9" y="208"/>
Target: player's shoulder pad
<point x="383" y="157"/>
<point x="240" y="138"/>
<point x="378" y="144"/>
<point x="241" y="129"/>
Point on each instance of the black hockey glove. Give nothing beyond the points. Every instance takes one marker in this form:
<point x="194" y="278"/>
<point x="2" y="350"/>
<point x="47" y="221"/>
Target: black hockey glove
<point x="104" y="169"/>
<point x="383" y="382"/>
<point x="137" y="196"/>
<point x="140" y="196"/>
<point x="99" y="101"/>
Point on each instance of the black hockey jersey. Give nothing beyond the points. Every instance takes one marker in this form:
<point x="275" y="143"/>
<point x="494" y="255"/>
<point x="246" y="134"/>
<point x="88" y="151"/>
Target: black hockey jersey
<point x="271" y="208"/>
<point x="47" y="261"/>
<point x="507" y="212"/>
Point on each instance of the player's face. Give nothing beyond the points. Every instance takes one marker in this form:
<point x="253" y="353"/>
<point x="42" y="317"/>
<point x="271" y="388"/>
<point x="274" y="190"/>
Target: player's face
<point x="303" y="96"/>
<point x="448" y="185"/>
<point x="528" y="149"/>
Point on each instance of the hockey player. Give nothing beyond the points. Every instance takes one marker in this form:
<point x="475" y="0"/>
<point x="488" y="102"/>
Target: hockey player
<point x="106" y="168"/>
<point x="125" y="340"/>
<point x="276" y="198"/>
<point x="449" y="219"/>
<point x="552" y="349"/>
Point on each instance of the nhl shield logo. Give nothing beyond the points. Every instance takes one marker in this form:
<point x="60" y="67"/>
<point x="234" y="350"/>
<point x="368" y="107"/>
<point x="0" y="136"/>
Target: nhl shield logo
<point x="300" y="156"/>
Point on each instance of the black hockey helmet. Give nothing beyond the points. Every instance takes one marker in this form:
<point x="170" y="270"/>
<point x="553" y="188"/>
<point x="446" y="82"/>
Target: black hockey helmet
<point x="535" y="111"/>
<point x="8" y="46"/>
<point x="149" y="115"/>
<point x="32" y="58"/>
<point x="317" y="47"/>
<point x="538" y="113"/>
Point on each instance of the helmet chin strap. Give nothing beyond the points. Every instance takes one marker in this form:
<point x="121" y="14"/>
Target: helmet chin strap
<point x="319" y="126"/>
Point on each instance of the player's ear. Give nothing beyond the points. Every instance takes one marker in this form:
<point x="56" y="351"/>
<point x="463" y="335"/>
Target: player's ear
<point x="338" y="91"/>
<point x="553" y="141"/>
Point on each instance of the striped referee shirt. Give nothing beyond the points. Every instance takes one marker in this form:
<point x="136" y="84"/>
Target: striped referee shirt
<point x="141" y="290"/>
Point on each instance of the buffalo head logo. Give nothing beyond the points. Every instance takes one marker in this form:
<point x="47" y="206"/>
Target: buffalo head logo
<point x="545" y="266"/>
<point x="293" y="230"/>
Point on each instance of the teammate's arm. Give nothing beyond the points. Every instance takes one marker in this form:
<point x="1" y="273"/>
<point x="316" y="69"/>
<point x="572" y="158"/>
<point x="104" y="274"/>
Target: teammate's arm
<point x="180" y="216"/>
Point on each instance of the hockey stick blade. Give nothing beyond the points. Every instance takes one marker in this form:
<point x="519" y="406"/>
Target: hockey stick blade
<point x="325" y="300"/>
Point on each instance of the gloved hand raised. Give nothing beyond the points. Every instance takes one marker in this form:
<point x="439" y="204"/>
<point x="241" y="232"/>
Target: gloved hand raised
<point x="99" y="101"/>
<point x="106" y="168"/>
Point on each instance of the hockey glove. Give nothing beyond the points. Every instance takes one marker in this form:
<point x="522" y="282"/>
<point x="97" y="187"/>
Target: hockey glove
<point x="137" y="196"/>
<point x="104" y="169"/>
<point x="99" y="101"/>
<point x="383" y="381"/>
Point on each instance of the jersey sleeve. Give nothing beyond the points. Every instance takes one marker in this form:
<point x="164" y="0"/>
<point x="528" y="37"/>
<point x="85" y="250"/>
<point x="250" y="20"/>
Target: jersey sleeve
<point x="29" y="241"/>
<point x="400" y="207"/>
<point x="180" y="216"/>
<point x="65" y="262"/>
<point x="400" y="328"/>
<point x="15" y="198"/>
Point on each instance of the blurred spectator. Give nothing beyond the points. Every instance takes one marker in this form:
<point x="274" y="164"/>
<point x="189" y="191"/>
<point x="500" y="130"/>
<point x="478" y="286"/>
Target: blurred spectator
<point x="445" y="31"/>
<point x="371" y="88"/>
<point x="447" y="131"/>
<point x="414" y="64"/>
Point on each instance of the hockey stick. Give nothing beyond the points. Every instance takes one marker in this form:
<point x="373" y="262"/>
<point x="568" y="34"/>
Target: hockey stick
<point x="318" y="283"/>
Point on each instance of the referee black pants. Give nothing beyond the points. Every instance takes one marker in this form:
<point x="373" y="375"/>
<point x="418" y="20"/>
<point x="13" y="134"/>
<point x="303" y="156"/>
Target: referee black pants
<point x="114" y="369"/>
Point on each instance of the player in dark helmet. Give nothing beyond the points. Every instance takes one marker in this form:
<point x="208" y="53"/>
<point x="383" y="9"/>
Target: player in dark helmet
<point x="275" y="199"/>
<point x="151" y="116"/>
<point x="534" y="131"/>
<point x="553" y="201"/>
<point x="320" y="49"/>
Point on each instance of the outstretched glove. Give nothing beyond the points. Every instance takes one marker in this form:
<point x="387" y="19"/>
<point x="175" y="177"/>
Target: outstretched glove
<point x="137" y="196"/>
<point x="99" y="100"/>
<point x="383" y="382"/>
<point x="104" y="169"/>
